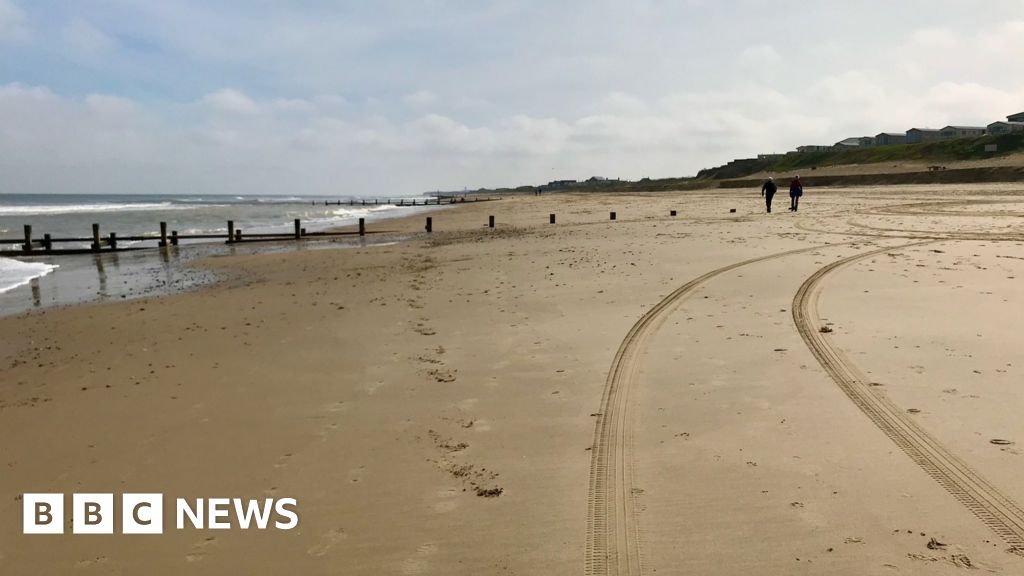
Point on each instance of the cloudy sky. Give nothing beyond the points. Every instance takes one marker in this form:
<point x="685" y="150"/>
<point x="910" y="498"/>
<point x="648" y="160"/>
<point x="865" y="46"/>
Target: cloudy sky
<point x="319" y="97"/>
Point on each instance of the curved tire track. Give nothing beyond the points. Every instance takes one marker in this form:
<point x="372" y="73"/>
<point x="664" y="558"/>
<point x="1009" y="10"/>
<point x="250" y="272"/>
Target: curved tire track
<point x="613" y="543"/>
<point x="967" y="486"/>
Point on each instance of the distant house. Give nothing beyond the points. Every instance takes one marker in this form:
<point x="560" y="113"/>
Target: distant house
<point x="950" y="132"/>
<point x="889" y="138"/>
<point x="867" y="141"/>
<point x="812" y="148"/>
<point x="847" y="143"/>
<point x="1018" y="117"/>
<point x="918" y="135"/>
<point x="998" y="128"/>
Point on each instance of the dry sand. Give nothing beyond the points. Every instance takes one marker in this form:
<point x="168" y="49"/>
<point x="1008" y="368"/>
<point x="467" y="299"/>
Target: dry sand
<point x="486" y="402"/>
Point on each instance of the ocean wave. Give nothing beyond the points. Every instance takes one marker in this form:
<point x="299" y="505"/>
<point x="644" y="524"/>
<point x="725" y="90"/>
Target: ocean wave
<point x="14" y="273"/>
<point x="51" y="209"/>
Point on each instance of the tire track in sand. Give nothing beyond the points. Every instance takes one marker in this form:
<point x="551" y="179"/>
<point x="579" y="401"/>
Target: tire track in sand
<point x="967" y="486"/>
<point x="613" y="546"/>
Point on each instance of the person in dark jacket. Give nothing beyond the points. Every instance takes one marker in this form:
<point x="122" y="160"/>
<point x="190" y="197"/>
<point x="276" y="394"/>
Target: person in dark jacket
<point x="796" y="190"/>
<point x="768" y="191"/>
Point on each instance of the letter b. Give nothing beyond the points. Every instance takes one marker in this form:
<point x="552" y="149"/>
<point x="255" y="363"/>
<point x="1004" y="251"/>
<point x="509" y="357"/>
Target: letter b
<point x="42" y="514"/>
<point x="92" y="514"/>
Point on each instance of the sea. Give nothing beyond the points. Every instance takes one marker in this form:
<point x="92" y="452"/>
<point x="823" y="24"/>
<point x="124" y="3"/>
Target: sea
<point x="40" y="281"/>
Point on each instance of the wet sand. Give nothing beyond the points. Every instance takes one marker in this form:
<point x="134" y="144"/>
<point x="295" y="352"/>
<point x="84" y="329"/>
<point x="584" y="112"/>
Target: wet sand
<point x="649" y="395"/>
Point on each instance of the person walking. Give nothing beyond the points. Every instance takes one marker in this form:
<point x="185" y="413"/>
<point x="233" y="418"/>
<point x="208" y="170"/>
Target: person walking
<point x="796" y="190"/>
<point x="768" y="191"/>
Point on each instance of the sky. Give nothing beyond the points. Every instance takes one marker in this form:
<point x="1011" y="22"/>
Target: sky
<point x="395" y="97"/>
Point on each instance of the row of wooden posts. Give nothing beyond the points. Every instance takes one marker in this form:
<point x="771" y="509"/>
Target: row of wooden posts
<point x="98" y="242"/>
<point x="438" y="201"/>
<point x="234" y="235"/>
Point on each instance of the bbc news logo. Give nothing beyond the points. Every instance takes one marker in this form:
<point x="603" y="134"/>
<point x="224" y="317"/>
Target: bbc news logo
<point x="144" y="513"/>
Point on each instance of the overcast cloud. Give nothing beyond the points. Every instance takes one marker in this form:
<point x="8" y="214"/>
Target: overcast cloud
<point x="321" y="97"/>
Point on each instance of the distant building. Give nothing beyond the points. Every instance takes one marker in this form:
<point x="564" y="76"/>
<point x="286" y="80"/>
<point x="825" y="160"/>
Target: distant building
<point x="918" y="135"/>
<point x="773" y="156"/>
<point x="854" y="142"/>
<point x="889" y="138"/>
<point x="998" y="128"/>
<point x="846" y="144"/>
<point x="1018" y="117"/>
<point x="812" y="148"/>
<point x="950" y="132"/>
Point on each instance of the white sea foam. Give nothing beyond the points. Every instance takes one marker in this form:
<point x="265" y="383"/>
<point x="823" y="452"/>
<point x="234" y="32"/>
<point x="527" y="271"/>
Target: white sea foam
<point x="43" y="209"/>
<point x="14" y="273"/>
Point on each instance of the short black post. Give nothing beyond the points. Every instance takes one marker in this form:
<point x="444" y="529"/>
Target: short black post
<point x="672" y="213"/>
<point x="47" y="243"/>
<point x="174" y="237"/>
<point x="551" y="218"/>
<point x="95" y="237"/>
<point x="163" y="234"/>
<point x="298" y="229"/>
<point x="238" y="235"/>
<point x="611" y="215"/>
<point x="28" y="238"/>
<point x="362" y="227"/>
<point x="303" y="231"/>
<point x="732" y="210"/>
<point x="430" y="224"/>
<point x="231" y="231"/>
<point x="490" y="221"/>
<point x="113" y="240"/>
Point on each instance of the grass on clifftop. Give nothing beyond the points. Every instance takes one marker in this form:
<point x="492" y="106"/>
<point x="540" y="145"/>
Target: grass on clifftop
<point x="936" y="151"/>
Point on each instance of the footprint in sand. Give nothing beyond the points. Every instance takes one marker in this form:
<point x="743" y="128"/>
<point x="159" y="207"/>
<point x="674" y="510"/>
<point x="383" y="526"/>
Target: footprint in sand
<point x="197" y="553"/>
<point x="418" y="564"/>
<point x="283" y="460"/>
<point x="355" y="475"/>
<point x="90" y="562"/>
<point x="327" y="541"/>
<point x="448" y="501"/>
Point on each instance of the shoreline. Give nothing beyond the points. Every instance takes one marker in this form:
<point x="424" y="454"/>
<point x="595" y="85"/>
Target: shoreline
<point x="152" y="271"/>
<point x="435" y="406"/>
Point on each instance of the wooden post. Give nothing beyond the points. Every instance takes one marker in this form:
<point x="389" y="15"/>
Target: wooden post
<point x="732" y="210"/>
<point x="113" y="240"/>
<point x="611" y="215"/>
<point x="551" y="218"/>
<point x="47" y="243"/>
<point x="28" y="238"/>
<point x="163" y="234"/>
<point x="231" y="231"/>
<point x="303" y="231"/>
<point x="298" y="229"/>
<point x="430" y="224"/>
<point x="174" y="237"/>
<point x="238" y="235"/>
<point x="96" y="237"/>
<point x="672" y="213"/>
<point x="362" y="227"/>
<point x="490" y="221"/>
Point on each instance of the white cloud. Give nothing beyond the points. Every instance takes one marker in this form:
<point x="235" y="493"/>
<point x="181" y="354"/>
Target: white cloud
<point x="230" y="101"/>
<point x="421" y="99"/>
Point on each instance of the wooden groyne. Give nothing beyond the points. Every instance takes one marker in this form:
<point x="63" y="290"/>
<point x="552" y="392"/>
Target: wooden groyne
<point x="434" y="201"/>
<point x="30" y="245"/>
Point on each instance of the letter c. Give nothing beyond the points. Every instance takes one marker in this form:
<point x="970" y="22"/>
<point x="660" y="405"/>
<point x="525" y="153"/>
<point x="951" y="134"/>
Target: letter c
<point x="135" y="514"/>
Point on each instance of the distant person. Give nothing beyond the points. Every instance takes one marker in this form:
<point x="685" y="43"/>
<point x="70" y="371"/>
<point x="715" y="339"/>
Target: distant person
<point x="796" y="190"/>
<point x="768" y="190"/>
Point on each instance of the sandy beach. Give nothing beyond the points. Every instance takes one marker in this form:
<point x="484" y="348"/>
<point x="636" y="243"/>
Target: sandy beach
<point x="833" y="391"/>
